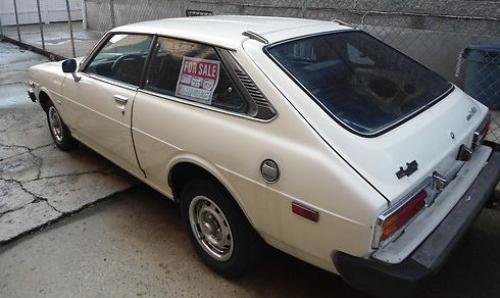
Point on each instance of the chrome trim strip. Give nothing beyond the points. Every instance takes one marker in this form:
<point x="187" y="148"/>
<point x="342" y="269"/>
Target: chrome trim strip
<point x="92" y="52"/>
<point x="206" y="107"/>
<point x="110" y="81"/>
<point x="97" y="46"/>
<point x="102" y="41"/>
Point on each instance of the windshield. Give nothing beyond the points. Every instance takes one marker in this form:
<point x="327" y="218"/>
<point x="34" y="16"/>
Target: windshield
<point x="365" y="84"/>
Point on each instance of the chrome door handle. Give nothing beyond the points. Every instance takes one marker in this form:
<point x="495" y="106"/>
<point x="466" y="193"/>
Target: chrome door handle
<point x="120" y="99"/>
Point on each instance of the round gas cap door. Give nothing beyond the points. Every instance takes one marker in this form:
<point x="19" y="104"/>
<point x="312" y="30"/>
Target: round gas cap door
<point x="270" y="170"/>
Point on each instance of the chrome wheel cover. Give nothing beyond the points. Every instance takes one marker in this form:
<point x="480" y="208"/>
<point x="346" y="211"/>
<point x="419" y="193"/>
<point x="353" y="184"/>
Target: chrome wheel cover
<point x="211" y="228"/>
<point x="55" y="124"/>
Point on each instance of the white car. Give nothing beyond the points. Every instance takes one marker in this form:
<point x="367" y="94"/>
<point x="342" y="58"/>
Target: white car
<point x="312" y="136"/>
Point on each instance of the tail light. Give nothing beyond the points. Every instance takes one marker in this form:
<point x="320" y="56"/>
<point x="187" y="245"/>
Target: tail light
<point x="392" y="222"/>
<point x="482" y="131"/>
<point x="395" y="221"/>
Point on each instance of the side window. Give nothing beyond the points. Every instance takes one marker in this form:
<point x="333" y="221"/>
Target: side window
<point x="122" y="58"/>
<point x="194" y="72"/>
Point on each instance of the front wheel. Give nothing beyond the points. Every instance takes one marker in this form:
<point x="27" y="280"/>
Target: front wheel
<point x="59" y="131"/>
<point x="219" y="231"/>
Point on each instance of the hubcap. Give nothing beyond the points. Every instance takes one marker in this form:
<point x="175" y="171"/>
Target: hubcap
<point x="55" y="124"/>
<point x="211" y="228"/>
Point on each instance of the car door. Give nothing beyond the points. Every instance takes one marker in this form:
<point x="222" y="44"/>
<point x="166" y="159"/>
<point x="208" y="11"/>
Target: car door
<point x="99" y="102"/>
<point x="188" y="95"/>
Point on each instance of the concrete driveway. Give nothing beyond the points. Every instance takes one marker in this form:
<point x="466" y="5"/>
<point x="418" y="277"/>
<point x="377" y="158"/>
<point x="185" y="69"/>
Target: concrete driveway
<point x="39" y="183"/>
<point x="130" y="242"/>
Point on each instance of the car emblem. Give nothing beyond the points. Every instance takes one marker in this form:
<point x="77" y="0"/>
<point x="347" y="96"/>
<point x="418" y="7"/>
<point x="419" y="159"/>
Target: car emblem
<point x="452" y="135"/>
<point x="471" y="113"/>
<point x="411" y="168"/>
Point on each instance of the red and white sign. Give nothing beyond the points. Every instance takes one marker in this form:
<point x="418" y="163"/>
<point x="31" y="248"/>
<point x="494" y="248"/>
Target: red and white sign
<point x="198" y="79"/>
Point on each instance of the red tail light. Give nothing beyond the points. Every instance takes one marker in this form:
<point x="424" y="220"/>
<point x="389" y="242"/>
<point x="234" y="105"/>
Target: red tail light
<point x="400" y="217"/>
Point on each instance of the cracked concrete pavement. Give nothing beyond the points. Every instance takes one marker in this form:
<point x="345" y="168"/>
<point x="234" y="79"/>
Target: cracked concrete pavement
<point x="39" y="183"/>
<point x="133" y="244"/>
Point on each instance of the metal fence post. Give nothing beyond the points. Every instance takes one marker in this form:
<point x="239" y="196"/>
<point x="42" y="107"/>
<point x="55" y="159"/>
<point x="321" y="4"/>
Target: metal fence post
<point x="1" y="29"/>
<point x="17" y="21"/>
<point x="41" y="24"/>
<point x="112" y="13"/>
<point x="84" y="15"/>
<point x="303" y="8"/>
<point x="70" y="23"/>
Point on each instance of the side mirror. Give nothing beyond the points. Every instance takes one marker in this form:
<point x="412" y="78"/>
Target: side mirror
<point x="70" y="66"/>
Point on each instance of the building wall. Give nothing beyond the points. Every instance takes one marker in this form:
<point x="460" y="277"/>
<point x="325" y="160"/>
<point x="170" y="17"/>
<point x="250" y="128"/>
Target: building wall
<point x="433" y="32"/>
<point x="51" y="11"/>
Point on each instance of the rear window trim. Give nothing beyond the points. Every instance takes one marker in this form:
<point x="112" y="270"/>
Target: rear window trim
<point x="330" y="113"/>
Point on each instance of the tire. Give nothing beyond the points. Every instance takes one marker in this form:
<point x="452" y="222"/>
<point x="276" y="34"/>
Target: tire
<point x="207" y="198"/>
<point x="58" y="130"/>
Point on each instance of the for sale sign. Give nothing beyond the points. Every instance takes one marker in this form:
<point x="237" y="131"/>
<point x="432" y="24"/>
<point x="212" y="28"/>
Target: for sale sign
<point x="198" y="79"/>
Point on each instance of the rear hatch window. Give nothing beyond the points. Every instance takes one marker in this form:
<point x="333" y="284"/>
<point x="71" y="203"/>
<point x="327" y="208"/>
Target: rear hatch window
<point x="361" y="82"/>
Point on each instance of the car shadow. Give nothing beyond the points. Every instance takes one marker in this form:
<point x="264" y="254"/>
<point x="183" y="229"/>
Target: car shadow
<point x="471" y="271"/>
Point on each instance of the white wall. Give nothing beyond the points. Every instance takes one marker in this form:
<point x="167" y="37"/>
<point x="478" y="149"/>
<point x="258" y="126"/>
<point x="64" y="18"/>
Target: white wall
<point x="51" y="10"/>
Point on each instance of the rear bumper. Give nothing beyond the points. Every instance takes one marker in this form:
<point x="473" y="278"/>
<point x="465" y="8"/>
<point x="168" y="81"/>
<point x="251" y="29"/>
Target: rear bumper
<point x="395" y="280"/>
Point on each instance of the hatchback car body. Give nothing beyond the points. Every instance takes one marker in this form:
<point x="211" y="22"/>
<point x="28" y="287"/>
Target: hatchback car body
<point x="311" y="135"/>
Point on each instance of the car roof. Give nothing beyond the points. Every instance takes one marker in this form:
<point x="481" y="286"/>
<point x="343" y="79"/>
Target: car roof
<point x="226" y="30"/>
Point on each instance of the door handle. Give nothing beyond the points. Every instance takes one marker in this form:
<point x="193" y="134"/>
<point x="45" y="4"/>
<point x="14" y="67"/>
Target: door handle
<point x="120" y="99"/>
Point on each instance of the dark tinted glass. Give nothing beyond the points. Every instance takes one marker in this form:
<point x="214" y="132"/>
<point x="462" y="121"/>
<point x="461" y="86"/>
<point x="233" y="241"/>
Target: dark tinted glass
<point x="194" y="72"/>
<point x="364" y="83"/>
<point x="122" y="58"/>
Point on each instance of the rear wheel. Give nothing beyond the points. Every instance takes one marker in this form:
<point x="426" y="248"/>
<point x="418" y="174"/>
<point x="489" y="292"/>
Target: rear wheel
<point x="219" y="231"/>
<point x="59" y="131"/>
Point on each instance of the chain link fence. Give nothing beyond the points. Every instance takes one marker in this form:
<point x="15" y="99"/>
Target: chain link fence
<point x="53" y="26"/>
<point x="459" y="39"/>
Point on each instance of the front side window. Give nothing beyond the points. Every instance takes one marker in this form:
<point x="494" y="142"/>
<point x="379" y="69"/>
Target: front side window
<point x="193" y="72"/>
<point x="365" y="84"/>
<point x="121" y="58"/>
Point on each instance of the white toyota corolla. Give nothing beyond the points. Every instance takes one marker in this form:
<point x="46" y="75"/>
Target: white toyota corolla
<point x="312" y="136"/>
